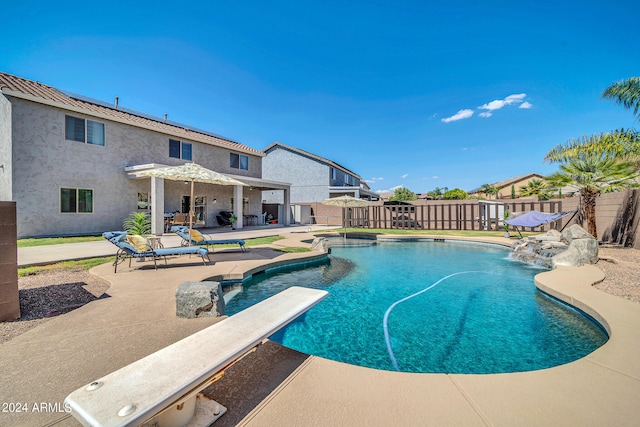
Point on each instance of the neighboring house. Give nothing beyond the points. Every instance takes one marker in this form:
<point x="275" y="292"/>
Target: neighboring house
<point x="313" y="178"/>
<point x="67" y="161"/>
<point x="504" y="187"/>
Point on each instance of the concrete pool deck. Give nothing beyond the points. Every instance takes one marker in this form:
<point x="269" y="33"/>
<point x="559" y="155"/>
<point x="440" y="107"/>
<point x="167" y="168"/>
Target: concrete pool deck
<point x="53" y="359"/>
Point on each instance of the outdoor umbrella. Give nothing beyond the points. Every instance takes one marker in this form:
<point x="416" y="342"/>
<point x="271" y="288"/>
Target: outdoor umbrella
<point x="346" y="202"/>
<point x="190" y="172"/>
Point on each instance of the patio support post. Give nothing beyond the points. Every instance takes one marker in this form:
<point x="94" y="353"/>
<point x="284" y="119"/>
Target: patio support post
<point x="238" y="205"/>
<point x="286" y="208"/>
<point x="157" y="206"/>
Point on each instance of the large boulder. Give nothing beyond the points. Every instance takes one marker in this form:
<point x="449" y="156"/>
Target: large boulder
<point x="200" y="299"/>
<point x="575" y="232"/>
<point x="321" y="244"/>
<point x="574" y="246"/>
<point x="579" y="252"/>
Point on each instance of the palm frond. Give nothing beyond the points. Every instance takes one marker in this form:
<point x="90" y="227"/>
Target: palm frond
<point x="625" y="92"/>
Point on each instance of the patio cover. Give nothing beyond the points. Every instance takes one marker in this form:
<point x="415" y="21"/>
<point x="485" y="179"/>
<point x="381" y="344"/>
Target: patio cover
<point x="534" y="218"/>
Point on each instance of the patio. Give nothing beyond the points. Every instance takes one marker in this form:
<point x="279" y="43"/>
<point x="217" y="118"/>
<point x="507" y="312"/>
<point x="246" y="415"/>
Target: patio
<point x="138" y="318"/>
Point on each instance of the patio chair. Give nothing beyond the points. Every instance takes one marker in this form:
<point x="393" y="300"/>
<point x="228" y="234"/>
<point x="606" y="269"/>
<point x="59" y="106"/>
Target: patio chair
<point x="179" y="219"/>
<point x="134" y="246"/>
<point x="199" y="239"/>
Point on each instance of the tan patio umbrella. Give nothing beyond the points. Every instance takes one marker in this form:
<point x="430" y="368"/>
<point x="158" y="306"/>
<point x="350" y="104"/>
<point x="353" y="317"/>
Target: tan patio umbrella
<point x="346" y="202"/>
<point x="190" y="172"/>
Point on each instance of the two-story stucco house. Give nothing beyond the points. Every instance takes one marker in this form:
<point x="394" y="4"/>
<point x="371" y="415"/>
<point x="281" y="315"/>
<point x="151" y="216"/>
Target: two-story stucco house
<point x="68" y="162"/>
<point x="313" y="178"/>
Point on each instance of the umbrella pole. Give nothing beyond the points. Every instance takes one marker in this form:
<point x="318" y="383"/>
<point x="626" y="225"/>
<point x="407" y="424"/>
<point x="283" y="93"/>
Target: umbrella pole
<point x="191" y="202"/>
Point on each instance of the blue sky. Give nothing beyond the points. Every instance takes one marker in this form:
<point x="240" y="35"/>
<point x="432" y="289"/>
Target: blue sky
<point x="416" y="94"/>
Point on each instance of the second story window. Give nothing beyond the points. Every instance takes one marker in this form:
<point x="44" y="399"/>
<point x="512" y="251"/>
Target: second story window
<point x="239" y="161"/>
<point x="333" y="173"/>
<point x="83" y="130"/>
<point x="180" y="150"/>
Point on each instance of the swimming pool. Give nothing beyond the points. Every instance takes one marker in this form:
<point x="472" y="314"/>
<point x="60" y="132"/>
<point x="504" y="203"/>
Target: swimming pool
<point x="428" y="307"/>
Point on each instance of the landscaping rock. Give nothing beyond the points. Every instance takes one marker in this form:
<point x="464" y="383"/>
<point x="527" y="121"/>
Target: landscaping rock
<point x="579" y="252"/>
<point x="321" y="244"/>
<point x="575" y="232"/>
<point x="199" y="299"/>
<point x="574" y="247"/>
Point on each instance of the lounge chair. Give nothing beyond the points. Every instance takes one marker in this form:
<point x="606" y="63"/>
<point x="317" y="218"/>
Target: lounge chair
<point x="199" y="239"/>
<point x="133" y="246"/>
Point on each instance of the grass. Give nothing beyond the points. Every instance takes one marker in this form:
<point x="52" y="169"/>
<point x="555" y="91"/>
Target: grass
<point x="24" y="243"/>
<point x="83" y="264"/>
<point x="293" y="249"/>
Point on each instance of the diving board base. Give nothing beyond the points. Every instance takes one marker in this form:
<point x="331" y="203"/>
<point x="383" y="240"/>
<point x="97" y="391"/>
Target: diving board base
<point x="204" y="413"/>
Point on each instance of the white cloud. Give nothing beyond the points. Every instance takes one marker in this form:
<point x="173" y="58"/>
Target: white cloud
<point x="373" y="180"/>
<point x="390" y="190"/>
<point x="460" y="115"/>
<point x="405" y="175"/>
<point x="499" y="103"/>
<point x="490" y="107"/>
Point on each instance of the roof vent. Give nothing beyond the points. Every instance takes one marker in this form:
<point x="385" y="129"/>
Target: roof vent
<point x="117" y="99"/>
<point x="165" y="117"/>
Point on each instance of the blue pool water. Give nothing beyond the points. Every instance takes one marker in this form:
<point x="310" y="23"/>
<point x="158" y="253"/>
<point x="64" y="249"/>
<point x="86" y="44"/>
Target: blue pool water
<point x="481" y="312"/>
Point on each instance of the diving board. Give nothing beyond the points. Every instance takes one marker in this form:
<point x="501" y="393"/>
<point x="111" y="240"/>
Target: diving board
<point x="169" y="380"/>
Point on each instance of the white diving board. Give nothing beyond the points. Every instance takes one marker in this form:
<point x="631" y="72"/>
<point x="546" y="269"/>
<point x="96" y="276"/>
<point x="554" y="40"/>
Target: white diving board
<point x="166" y="382"/>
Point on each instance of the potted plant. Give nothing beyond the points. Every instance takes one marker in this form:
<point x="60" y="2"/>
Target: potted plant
<point x="137" y="223"/>
<point x="233" y="220"/>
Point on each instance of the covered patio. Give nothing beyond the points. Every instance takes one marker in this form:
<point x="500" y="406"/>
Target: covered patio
<point x="165" y="197"/>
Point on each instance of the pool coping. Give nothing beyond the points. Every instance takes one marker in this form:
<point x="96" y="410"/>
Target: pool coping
<point x="599" y="389"/>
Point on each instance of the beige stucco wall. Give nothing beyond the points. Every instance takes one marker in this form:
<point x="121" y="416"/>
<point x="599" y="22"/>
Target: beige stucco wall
<point x="44" y="162"/>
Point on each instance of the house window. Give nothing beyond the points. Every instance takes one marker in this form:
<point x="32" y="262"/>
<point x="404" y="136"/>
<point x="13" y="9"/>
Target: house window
<point x="76" y="200"/>
<point x="82" y="130"/>
<point x="239" y="162"/>
<point x="180" y="150"/>
<point x="346" y="179"/>
<point x="333" y="173"/>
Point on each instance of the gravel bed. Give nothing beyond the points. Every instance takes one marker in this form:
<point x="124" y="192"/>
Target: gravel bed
<point x="52" y="293"/>
<point x="49" y="294"/>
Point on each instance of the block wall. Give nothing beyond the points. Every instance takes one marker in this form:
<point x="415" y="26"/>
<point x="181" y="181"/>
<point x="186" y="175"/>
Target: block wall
<point x="9" y="300"/>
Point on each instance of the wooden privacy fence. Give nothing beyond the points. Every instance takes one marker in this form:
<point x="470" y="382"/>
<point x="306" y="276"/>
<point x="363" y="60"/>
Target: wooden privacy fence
<point x="445" y="216"/>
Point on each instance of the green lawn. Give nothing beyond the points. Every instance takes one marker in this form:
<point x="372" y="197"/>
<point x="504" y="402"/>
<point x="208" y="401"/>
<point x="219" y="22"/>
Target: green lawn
<point x="83" y="264"/>
<point x="23" y="243"/>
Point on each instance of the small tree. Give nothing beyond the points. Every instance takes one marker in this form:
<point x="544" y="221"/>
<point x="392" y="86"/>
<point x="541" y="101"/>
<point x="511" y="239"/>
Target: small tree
<point x="455" y="194"/>
<point x="513" y="191"/>
<point x="402" y="194"/>
<point x="137" y="223"/>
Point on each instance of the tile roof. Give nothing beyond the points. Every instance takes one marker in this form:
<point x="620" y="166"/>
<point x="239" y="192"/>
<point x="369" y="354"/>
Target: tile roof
<point x="38" y="92"/>
<point x="311" y="156"/>
<point x="509" y="181"/>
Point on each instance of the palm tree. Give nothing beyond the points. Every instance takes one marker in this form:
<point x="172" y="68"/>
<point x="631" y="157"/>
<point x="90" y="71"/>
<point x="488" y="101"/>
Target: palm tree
<point x="490" y="189"/>
<point x="625" y="92"/>
<point x="594" y="173"/>
<point x="535" y="187"/>
<point x="623" y="144"/>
